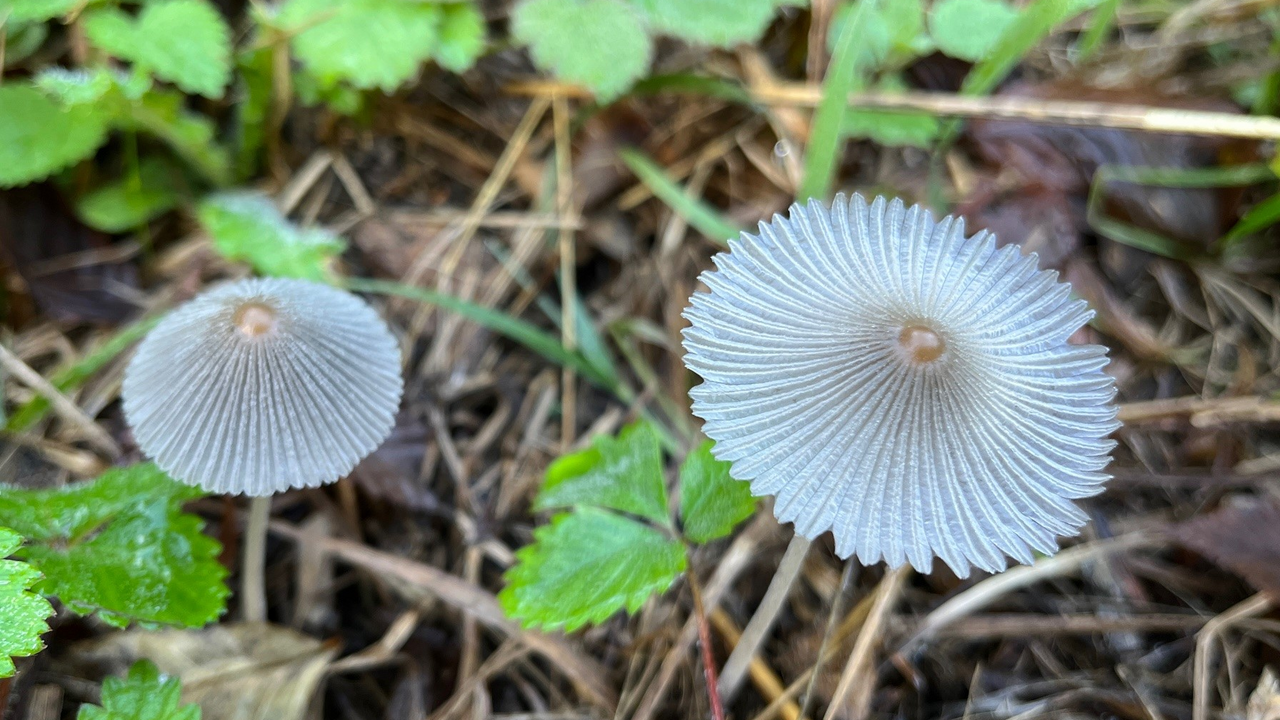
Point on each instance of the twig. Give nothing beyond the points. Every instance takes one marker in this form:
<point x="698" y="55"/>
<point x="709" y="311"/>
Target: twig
<point x="62" y="405"/>
<point x="708" y="659"/>
<point x="858" y="668"/>
<point x="568" y="268"/>
<point x="1202" y="412"/>
<point x="1202" y="684"/>
<point x="1058" y="112"/>
<point x="253" y="592"/>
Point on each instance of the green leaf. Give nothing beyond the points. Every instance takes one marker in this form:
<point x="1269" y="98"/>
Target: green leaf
<point x="185" y="42"/>
<point x="144" y="695"/>
<point x="38" y="10"/>
<point x="248" y="226"/>
<point x="462" y="37"/>
<point x="22" y="39"/>
<point x="723" y="23"/>
<point x="622" y="474"/>
<point x="598" y="43"/>
<point x="968" y="29"/>
<point x="134" y="200"/>
<point x="587" y="565"/>
<point x="711" y="502"/>
<point x="368" y="43"/>
<point x="106" y="89"/>
<point x="39" y="138"/>
<point x="22" y="612"/>
<point x="121" y="546"/>
<point x="697" y="213"/>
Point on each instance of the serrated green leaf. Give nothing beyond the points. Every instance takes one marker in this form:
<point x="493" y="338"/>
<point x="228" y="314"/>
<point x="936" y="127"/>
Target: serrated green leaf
<point x="462" y="37"/>
<point x="247" y="226"/>
<point x="599" y="43"/>
<point x="22" y="612"/>
<point x="585" y="566"/>
<point x="711" y="502"/>
<point x="368" y="43"/>
<point x="185" y="42"/>
<point x="968" y="29"/>
<point x="723" y="23"/>
<point x="623" y="474"/>
<point x="104" y="88"/>
<point x="144" y="695"/>
<point x="38" y="10"/>
<point x="38" y="137"/>
<point x="133" y="200"/>
<point x="121" y="546"/>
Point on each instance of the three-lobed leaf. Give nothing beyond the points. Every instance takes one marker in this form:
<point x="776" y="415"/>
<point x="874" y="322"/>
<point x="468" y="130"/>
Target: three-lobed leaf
<point x="623" y="473"/>
<point x="248" y="226"/>
<point x="711" y="502"/>
<point x="599" y="43"/>
<point x="122" y="547"/>
<point x="23" y="614"/>
<point x="39" y="137"/>
<point x="585" y="566"/>
<point x="143" y="695"/>
<point x="185" y="42"/>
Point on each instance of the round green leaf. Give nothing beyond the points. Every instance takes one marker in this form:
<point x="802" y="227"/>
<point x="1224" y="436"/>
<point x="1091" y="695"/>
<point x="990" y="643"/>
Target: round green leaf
<point x="39" y="138"/>
<point x="599" y="43"/>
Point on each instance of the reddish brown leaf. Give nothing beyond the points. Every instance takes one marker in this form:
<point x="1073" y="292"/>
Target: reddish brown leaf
<point x="1244" y="540"/>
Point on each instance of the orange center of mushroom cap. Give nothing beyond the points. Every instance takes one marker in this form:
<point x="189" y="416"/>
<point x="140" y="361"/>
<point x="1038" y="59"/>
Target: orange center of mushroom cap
<point x="254" y="319"/>
<point x="921" y="345"/>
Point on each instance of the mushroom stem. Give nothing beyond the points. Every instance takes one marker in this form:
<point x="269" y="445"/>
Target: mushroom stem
<point x="253" y="595"/>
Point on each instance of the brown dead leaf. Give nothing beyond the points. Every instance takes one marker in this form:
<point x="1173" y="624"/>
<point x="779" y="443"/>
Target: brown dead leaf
<point x="1244" y="540"/>
<point x="242" y="671"/>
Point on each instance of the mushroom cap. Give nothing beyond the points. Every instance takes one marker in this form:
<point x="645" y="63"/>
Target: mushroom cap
<point x="905" y="387"/>
<point x="262" y="385"/>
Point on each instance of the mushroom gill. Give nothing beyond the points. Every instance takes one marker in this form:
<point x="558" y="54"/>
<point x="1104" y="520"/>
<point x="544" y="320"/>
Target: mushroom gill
<point x="902" y="385"/>
<point x="262" y="385"/>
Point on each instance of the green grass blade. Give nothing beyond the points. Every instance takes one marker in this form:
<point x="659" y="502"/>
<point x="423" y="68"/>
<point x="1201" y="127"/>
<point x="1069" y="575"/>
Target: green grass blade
<point x="1033" y="25"/>
<point x="527" y="334"/>
<point x="1152" y="242"/>
<point x="697" y="213"/>
<point x="72" y="377"/>
<point x="844" y="75"/>
<point x="1100" y="25"/>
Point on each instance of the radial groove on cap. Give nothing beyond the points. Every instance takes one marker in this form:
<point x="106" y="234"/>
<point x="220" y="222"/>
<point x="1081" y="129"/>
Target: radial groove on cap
<point x="969" y="457"/>
<point x="237" y="412"/>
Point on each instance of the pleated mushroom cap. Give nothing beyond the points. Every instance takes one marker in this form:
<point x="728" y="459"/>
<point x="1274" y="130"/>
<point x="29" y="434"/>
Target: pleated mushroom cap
<point x="907" y="388"/>
<point x="263" y="385"/>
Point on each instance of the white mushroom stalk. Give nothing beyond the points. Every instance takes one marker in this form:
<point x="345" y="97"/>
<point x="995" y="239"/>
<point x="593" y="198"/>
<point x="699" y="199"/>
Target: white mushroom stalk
<point x="263" y="385"/>
<point x="909" y="389"/>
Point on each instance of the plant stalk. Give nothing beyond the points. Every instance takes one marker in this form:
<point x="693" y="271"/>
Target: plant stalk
<point x="708" y="660"/>
<point x="253" y="593"/>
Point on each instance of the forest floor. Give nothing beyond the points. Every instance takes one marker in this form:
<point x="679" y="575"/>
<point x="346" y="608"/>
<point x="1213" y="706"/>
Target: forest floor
<point x="381" y="588"/>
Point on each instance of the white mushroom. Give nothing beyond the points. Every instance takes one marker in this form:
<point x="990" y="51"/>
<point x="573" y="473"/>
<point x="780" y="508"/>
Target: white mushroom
<point x="905" y="387"/>
<point x="262" y="385"/>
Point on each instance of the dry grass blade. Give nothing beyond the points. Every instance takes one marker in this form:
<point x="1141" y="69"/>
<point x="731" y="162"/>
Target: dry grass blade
<point x="62" y="405"/>
<point x="585" y="673"/>
<point x="853" y="695"/>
